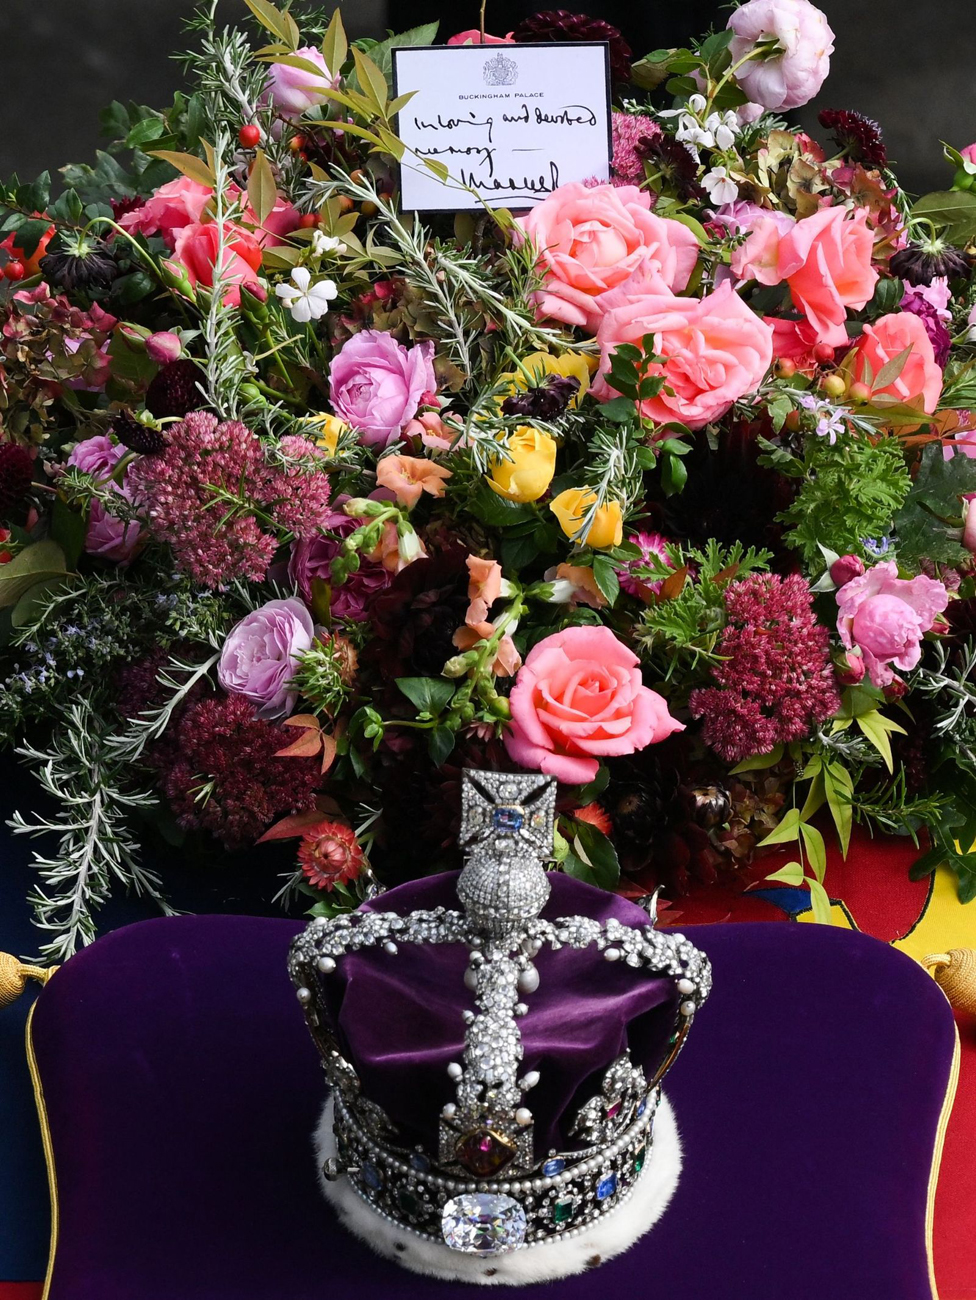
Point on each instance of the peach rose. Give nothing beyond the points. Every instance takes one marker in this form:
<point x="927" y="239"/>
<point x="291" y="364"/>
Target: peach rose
<point x="881" y="342"/>
<point x="591" y="240"/>
<point x="826" y="260"/>
<point x="758" y="257"/>
<point x="579" y="697"/>
<point x="715" y="350"/>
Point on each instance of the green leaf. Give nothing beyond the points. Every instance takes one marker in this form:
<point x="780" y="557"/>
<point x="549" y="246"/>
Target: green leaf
<point x="815" y="796"/>
<point x="38" y="562"/>
<point x="820" y="903"/>
<point x="813" y="842"/>
<point x="955" y="210"/>
<point x="335" y="46"/>
<point x="788" y="829"/>
<point x="382" y="52"/>
<point x="262" y="189"/>
<point x="791" y="874"/>
<point x="272" y="19"/>
<point x="651" y="71"/>
<point x="927" y="525"/>
<point x="68" y="529"/>
<point x="187" y="163"/>
<point x="605" y="576"/>
<point x="674" y="475"/>
<point x="495" y="511"/>
<point x="371" y="81"/>
<point x="593" y="789"/>
<point x="593" y="857"/>
<point x="873" y="727"/>
<point x="29" y="235"/>
<point x="757" y="762"/>
<point x="150" y="128"/>
<point x="839" y="787"/>
<point x="440" y="742"/>
<point x="429" y="694"/>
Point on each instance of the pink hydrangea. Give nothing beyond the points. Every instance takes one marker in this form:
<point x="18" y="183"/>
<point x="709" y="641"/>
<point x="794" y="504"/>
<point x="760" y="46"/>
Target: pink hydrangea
<point x="885" y="617"/>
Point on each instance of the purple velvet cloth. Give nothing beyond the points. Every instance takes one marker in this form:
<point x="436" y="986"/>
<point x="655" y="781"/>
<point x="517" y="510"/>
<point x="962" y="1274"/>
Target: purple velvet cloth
<point x="420" y="995"/>
<point x="182" y="1088"/>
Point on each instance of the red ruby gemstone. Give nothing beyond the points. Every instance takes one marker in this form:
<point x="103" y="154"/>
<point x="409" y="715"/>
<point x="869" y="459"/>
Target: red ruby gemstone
<point x="613" y="1110"/>
<point x="484" y="1153"/>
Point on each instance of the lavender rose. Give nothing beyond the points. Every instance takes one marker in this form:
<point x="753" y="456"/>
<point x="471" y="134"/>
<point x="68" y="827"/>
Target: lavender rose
<point x="260" y="655"/>
<point x="376" y="384"/>
<point x="293" y="91"/>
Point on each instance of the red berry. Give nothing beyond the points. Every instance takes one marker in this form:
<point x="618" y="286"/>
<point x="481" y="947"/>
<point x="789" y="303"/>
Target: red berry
<point x="249" y="135"/>
<point x="823" y="352"/>
<point x="307" y="220"/>
<point x="14" y="270"/>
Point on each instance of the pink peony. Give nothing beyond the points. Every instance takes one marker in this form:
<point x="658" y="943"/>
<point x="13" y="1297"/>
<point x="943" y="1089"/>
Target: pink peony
<point x="196" y="252"/>
<point x="293" y="91"/>
<point x="578" y="698"/>
<point x="591" y="239"/>
<point x="790" y="78"/>
<point x="473" y="37"/>
<point x="376" y="384"/>
<point x="826" y="260"/>
<point x="261" y="652"/>
<point x="885" y="617"/>
<point x="881" y="342"/>
<point x="174" y="205"/>
<point x="715" y="349"/>
<point x="97" y="456"/>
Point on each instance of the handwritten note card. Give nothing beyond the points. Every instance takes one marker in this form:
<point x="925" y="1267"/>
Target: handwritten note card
<point x="510" y="121"/>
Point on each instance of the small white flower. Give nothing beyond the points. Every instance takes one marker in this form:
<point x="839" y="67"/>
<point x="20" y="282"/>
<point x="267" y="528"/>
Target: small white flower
<point x="306" y="301"/>
<point x="724" y="129"/>
<point x="692" y="133"/>
<point x="697" y="103"/>
<point x="323" y="244"/>
<point x="719" y="187"/>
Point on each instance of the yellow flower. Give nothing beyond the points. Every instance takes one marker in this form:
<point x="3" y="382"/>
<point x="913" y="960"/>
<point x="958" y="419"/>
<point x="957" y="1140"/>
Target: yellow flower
<point x="534" y="368"/>
<point x="571" y="508"/>
<point x="528" y="472"/>
<point x="327" y="430"/>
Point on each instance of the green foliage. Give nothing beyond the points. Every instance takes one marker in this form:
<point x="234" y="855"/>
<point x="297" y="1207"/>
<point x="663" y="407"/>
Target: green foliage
<point x="851" y="490"/>
<point x="929" y="521"/>
<point x="691" y="621"/>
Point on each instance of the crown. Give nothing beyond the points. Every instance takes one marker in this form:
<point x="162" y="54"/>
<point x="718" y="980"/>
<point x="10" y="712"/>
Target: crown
<point x="420" y="1018"/>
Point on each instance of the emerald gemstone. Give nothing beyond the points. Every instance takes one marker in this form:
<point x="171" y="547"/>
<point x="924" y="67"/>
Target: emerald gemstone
<point x="408" y="1202"/>
<point x="639" y="1160"/>
<point x="563" y="1209"/>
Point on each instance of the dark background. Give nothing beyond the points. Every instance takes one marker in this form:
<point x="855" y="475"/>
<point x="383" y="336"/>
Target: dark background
<point x="908" y="64"/>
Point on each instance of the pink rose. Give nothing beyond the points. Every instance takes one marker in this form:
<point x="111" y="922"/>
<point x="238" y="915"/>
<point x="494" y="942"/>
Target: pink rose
<point x="758" y="257"/>
<point x="884" y="340"/>
<point x="261" y="652"/>
<point x="473" y="37"/>
<point x="798" y="341"/>
<point x="969" y="522"/>
<point x="174" y="205"/>
<point x="826" y="260"/>
<point x="376" y="384"/>
<point x="196" y="252"/>
<point x="293" y="91"/>
<point x="283" y="218"/>
<point x="311" y="559"/>
<point x="578" y="698"/>
<point x="715" y="350"/>
<point x="885" y="617"/>
<point x="793" y="77"/>
<point x="969" y="153"/>
<point x="107" y="535"/>
<point x="591" y="239"/>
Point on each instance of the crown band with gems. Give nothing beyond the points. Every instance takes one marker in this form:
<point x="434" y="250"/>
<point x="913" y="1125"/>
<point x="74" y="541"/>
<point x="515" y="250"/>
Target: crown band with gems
<point x="485" y="1189"/>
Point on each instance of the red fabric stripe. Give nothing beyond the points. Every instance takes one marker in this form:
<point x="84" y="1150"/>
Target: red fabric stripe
<point x="21" y="1290"/>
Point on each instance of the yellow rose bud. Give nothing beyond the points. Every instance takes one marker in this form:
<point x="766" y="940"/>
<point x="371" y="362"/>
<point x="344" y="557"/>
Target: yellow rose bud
<point x="528" y="471"/>
<point x="327" y="430"/>
<point x="571" y="508"/>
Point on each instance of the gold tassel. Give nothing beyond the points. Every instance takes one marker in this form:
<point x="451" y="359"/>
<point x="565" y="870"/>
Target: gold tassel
<point x="14" y="975"/>
<point x="955" y="973"/>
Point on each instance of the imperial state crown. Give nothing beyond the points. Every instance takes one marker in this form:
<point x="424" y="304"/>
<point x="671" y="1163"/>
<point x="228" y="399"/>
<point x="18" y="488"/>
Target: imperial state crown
<point x="495" y="1071"/>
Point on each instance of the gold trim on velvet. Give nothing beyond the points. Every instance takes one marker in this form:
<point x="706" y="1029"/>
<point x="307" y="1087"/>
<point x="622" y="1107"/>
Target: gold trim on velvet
<point x="52" y="1182"/>
<point x="940" y="1135"/>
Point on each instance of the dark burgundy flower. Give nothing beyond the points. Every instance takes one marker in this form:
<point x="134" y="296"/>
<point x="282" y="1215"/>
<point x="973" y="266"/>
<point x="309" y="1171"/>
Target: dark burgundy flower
<point x="859" y="136"/>
<point x="174" y="390"/>
<point x="561" y="25"/>
<point x="16" y="474"/>
<point x="922" y="263"/>
<point x="935" y="326"/>
<point x="546" y="402"/>
<point x="136" y="436"/>
<point x="223" y="775"/>
<point x="415" y="618"/>
<point x="85" y="265"/>
<point x="673" y="165"/>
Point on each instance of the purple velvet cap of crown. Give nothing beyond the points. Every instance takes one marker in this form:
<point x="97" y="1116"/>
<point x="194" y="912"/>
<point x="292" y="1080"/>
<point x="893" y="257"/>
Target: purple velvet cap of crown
<point x="398" y="1018"/>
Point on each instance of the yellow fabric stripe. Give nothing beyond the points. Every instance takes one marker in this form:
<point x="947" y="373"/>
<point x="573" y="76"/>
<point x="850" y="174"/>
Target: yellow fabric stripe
<point x="52" y="1182"/>
<point x="940" y="1134"/>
